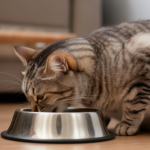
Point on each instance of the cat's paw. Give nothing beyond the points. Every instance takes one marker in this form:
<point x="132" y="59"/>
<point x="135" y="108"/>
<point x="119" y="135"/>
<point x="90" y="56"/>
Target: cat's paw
<point x="125" y="129"/>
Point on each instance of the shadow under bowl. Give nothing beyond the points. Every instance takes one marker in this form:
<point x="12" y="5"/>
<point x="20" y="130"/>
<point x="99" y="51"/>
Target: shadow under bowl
<point x="71" y="126"/>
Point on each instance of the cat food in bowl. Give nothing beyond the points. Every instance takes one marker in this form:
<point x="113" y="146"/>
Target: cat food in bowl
<point x="70" y="126"/>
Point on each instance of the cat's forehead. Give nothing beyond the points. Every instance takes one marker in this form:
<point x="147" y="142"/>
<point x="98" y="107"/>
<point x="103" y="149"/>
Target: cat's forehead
<point x="40" y="58"/>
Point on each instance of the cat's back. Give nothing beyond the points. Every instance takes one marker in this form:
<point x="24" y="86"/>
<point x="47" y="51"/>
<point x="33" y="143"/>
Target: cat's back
<point x="120" y="33"/>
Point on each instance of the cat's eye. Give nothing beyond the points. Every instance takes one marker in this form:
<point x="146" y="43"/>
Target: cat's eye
<point x="40" y="96"/>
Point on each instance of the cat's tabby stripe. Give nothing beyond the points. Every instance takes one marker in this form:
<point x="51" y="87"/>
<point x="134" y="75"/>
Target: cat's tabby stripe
<point x="126" y="122"/>
<point x="146" y="90"/>
<point x="136" y="111"/>
<point x="140" y="102"/>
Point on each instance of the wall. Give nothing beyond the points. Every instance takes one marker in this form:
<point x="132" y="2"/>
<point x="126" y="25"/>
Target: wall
<point x="117" y="11"/>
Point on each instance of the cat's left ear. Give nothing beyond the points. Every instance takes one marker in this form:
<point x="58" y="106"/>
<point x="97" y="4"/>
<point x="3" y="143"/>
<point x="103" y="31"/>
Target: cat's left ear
<point x="24" y="53"/>
<point x="60" y="62"/>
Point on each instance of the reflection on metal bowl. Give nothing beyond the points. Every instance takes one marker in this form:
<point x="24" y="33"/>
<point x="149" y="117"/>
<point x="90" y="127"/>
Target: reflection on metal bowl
<point x="73" y="125"/>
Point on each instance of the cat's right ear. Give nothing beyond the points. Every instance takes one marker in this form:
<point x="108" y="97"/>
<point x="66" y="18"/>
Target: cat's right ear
<point x="24" y="53"/>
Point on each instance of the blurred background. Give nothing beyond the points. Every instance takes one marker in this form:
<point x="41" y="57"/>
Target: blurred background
<point x="37" y="23"/>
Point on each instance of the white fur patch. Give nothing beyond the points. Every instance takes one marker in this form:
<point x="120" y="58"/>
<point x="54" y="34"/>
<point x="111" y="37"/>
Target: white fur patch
<point x="141" y="40"/>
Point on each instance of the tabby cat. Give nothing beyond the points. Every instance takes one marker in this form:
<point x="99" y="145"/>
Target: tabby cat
<point x="108" y="70"/>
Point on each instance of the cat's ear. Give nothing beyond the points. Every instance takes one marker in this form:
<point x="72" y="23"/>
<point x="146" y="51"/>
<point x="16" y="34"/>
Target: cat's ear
<point x="24" y="53"/>
<point x="60" y="62"/>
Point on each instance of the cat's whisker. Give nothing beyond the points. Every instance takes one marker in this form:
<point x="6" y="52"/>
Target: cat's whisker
<point x="45" y="109"/>
<point x="51" y="108"/>
<point x="16" y="88"/>
<point x="25" y="103"/>
<point x="14" y="83"/>
<point x="11" y="75"/>
<point x="66" y="101"/>
<point x="21" y="105"/>
<point x="17" y="92"/>
<point x="9" y="81"/>
<point x="19" y="89"/>
<point x="10" y="89"/>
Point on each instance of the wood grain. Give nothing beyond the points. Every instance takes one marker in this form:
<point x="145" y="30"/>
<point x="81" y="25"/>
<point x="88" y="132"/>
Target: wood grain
<point x="32" y="36"/>
<point x="141" y="141"/>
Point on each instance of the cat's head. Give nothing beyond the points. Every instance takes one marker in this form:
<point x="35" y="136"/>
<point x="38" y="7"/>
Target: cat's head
<point x="50" y="79"/>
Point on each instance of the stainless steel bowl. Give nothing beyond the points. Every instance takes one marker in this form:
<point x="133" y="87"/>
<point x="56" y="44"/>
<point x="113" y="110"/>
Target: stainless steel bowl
<point x="73" y="125"/>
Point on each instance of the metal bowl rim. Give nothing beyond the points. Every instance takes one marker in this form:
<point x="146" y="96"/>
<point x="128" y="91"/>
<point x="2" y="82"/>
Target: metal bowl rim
<point x="23" y="110"/>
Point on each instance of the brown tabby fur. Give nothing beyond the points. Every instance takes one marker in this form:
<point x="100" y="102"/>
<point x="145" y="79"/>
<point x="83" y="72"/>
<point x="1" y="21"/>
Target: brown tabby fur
<point x="108" y="70"/>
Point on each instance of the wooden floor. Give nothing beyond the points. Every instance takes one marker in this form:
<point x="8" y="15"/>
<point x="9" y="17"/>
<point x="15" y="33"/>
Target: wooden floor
<point x="141" y="141"/>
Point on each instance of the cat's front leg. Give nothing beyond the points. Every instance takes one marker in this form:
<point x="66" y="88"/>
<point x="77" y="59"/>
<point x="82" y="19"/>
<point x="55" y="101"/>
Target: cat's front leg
<point x="133" y="114"/>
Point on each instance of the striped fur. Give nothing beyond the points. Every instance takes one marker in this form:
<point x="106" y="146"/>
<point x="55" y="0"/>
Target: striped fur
<point x="113" y="75"/>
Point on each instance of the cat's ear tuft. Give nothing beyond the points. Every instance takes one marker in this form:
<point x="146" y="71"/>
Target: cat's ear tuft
<point x="60" y="62"/>
<point x="56" y="63"/>
<point x="24" y="53"/>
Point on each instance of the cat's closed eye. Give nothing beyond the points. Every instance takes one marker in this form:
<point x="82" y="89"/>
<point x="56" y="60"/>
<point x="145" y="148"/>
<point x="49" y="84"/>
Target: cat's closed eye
<point x="40" y="96"/>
